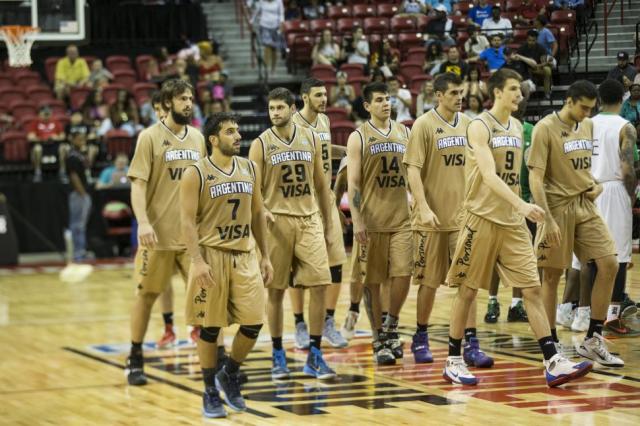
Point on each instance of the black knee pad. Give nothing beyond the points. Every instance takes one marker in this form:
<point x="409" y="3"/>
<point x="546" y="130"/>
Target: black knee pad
<point x="336" y="274"/>
<point x="250" y="331"/>
<point x="209" y="334"/>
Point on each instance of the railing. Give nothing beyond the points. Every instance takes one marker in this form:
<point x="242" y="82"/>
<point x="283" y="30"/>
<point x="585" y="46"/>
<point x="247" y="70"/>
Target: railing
<point x="243" y="17"/>
<point x="607" y="12"/>
<point x="638" y="38"/>
<point x="590" y="35"/>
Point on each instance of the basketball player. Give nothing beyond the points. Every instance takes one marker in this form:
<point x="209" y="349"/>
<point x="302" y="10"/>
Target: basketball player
<point x="162" y="153"/>
<point x="221" y="208"/>
<point x="562" y="184"/>
<point x="314" y="96"/>
<point x="435" y="168"/>
<point x="612" y="167"/>
<point x="380" y="212"/>
<point x="289" y="162"/>
<point x="494" y="233"/>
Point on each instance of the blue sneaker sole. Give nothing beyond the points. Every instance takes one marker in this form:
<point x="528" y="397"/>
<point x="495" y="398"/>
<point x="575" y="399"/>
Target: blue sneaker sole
<point x="227" y="400"/>
<point x="313" y="373"/>
<point x="279" y="376"/>
<point x="469" y="382"/>
<point x="560" y="380"/>
<point x="214" y="415"/>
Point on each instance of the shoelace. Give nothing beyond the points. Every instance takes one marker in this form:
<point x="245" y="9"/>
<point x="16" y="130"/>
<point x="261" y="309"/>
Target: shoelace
<point x="462" y="368"/>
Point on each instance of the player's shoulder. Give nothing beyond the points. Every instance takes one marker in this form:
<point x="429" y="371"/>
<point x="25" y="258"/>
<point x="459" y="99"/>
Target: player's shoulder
<point x="194" y="132"/>
<point x="425" y="120"/>
<point x="517" y="124"/>
<point x="464" y="119"/>
<point x="547" y="121"/>
<point x="305" y="132"/>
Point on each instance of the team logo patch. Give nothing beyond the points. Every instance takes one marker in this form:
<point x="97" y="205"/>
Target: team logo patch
<point x="439" y="131"/>
<point x="166" y="143"/>
<point x="272" y="148"/>
<point x="565" y="134"/>
<point x="210" y="178"/>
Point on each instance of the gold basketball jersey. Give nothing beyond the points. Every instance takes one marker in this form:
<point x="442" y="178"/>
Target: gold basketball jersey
<point x="287" y="181"/>
<point x="322" y="128"/>
<point x="160" y="159"/>
<point x="437" y="147"/>
<point x="506" y="145"/>
<point x="224" y="208"/>
<point x="385" y="206"/>
<point x="565" y="155"/>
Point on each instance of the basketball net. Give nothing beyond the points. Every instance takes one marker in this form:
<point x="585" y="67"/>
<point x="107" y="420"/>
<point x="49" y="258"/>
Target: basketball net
<point x="19" y="40"/>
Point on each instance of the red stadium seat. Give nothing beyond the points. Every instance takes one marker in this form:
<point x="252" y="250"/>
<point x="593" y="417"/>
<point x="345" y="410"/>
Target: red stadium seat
<point x="296" y="26"/>
<point x="23" y="108"/>
<point x="27" y="79"/>
<point x="509" y="15"/>
<point x="422" y="21"/>
<point x="39" y="93"/>
<point x="300" y="52"/>
<point x="118" y="62"/>
<point x="336" y="114"/>
<point x="337" y="12"/>
<point x="323" y="72"/>
<point x="463" y="7"/>
<point x="11" y="94"/>
<point x="25" y="121"/>
<point x="127" y="78"/>
<point x="459" y="22"/>
<point x="559" y="17"/>
<point x="363" y="10"/>
<point x="110" y="92"/>
<point x="410" y="69"/>
<point x="319" y="25"/>
<point x="77" y="96"/>
<point x="408" y="40"/>
<point x="418" y="80"/>
<point x="57" y="107"/>
<point x="118" y="141"/>
<point x="408" y="123"/>
<point x="340" y="131"/>
<point x="416" y="54"/>
<point x="347" y="25"/>
<point x="142" y="64"/>
<point x="143" y="91"/>
<point x="353" y="70"/>
<point x="50" y="67"/>
<point x="520" y="35"/>
<point x="387" y="9"/>
<point x="400" y="24"/>
<point x="15" y="147"/>
<point x="358" y="83"/>
<point x="376" y="25"/>
<point x="513" y="5"/>
<point x="6" y="81"/>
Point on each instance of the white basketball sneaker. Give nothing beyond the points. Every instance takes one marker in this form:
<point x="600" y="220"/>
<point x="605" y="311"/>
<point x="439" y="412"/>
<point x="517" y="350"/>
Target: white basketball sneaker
<point x="564" y="314"/>
<point x="595" y="349"/>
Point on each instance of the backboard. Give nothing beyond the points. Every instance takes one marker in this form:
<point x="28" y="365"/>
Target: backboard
<point x="58" y="20"/>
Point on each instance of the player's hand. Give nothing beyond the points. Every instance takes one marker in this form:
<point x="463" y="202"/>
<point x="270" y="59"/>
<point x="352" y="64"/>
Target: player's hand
<point x="360" y="233"/>
<point x="532" y="212"/>
<point x="146" y="235"/>
<point x="551" y="233"/>
<point x="269" y="216"/>
<point x="343" y="221"/>
<point x="427" y="218"/>
<point x="201" y="274"/>
<point x="266" y="269"/>
<point x="593" y="192"/>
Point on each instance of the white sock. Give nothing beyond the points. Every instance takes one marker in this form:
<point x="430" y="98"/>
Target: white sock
<point x="613" y="312"/>
<point x="583" y="309"/>
<point x="515" y="300"/>
<point x="493" y="297"/>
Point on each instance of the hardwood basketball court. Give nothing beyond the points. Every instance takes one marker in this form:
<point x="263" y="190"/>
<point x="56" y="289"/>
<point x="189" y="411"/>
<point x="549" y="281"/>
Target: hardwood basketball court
<point x="64" y="348"/>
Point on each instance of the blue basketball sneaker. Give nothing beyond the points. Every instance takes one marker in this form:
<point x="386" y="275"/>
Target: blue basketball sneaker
<point x="474" y="357"/>
<point x="212" y="405"/>
<point x="456" y="371"/>
<point x="420" y="348"/>
<point x="279" y="369"/>
<point x="316" y="366"/>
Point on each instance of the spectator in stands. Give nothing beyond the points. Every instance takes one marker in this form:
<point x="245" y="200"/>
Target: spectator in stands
<point x="527" y="12"/>
<point x="387" y="59"/>
<point x="377" y="76"/>
<point x="151" y="111"/>
<point x="497" y="24"/>
<point x="116" y="174"/>
<point x="94" y="108"/>
<point x="440" y="28"/>
<point x="46" y="136"/>
<point x="160" y="66"/>
<point x="624" y="72"/>
<point x="474" y="107"/>
<point x="79" y="198"/>
<point x="269" y="16"/>
<point x="187" y="70"/>
<point x="78" y="125"/>
<point x="542" y="68"/>
<point x="412" y="8"/>
<point x="359" y="51"/>
<point x="546" y="38"/>
<point x="400" y="100"/>
<point x="476" y="43"/>
<point x="210" y="64"/>
<point x="494" y="55"/>
<point x="326" y="51"/>
<point x="100" y="76"/>
<point x="480" y="12"/>
<point x="71" y="71"/>
<point x="522" y="65"/>
<point x="454" y="64"/>
<point x="123" y="115"/>
<point x="426" y="99"/>
<point x="228" y="90"/>
<point x="433" y="59"/>
<point x="314" y="10"/>
<point x="343" y="94"/>
<point x="431" y="4"/>
<point x="292" y="11"/>
<point x="577" y="5"/>
<point x="474" y="86"/>
<point x="216" y="106"/>
<point x="631" y="107"/>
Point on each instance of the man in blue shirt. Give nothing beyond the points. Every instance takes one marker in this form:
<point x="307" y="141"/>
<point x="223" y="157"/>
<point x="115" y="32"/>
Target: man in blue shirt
<point x="545" y="37"/>
<point x="494" y="55"/>
<point x="433" y="3"/>
<point x="480" y="12"/>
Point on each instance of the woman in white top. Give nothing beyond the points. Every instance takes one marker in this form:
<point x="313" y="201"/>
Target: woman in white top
<point x="326" y="51"/>
<point x="426" y="99"/>
<point x="473" y="85"/>
<point x="360" y="46"/>
<point x="269" y="16"/>
<point x="474" y="108"/>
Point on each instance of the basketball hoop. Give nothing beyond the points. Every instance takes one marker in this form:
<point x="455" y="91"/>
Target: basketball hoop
<point x="19" y="39"/>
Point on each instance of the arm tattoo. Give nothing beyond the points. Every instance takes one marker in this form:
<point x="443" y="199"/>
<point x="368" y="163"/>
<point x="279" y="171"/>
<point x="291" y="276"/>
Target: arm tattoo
<point x="626" y="157"/>
<point x="357" y="199"/>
